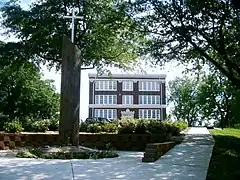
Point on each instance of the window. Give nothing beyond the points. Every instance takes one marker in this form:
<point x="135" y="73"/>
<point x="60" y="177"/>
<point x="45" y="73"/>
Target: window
<point x="97" y="100"/>
<point x="106" y="85"/>
<point x="149" y="113"/>
<point x="106" y="113"/>
<point x="149" y="99"/>
<point x="127" y="85"/>
<point x="110" y="99"/>
<point x="149" y="86"/>
<point x="127" y="99"/>
<point x="105" y="99"/>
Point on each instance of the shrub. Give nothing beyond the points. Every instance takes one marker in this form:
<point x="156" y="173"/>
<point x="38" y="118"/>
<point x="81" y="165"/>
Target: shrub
<point x="109" y="127"/>
<point x="40" y="126"/>
<point x="53" y="124"/>
<point x="13" y="127"/>
<point x="27" y="124"/>
<point x="94" y="128"/>
<point x="83" y="127"/>
<point x="141" y="127"/>
<point x="175" y="127"/>
<point x="3" y="119"/>
<point x="181" y="125"/>
<point x="38" y="153"/>
<point x="236" y="126"/>
<point x="155" y="127"/>
<point x="127" y="126"/>
<point x="25" y="154"/>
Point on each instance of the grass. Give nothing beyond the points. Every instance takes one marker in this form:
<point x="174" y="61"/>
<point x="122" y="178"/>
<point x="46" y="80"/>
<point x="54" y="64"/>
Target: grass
<point x="225" y="161"/>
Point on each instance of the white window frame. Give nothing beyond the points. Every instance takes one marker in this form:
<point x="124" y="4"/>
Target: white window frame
<point x="106" y="113"/>
<point x="106" y="99"/>
<point x="105" y="85"/>
<point x="149" y="99"/>
<point x="149" y="86"/>
<point x="127" y="99"/>
<point x="149" y="113"/>
<point x="127" y="85"/>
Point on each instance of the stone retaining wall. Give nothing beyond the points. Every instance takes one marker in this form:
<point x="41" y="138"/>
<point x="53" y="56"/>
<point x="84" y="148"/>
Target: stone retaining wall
<point x="154" y="151"/>
<point x="101" y="141"/>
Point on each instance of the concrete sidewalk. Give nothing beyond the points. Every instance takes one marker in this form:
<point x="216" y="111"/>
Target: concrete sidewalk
<point x="188" y="160"/>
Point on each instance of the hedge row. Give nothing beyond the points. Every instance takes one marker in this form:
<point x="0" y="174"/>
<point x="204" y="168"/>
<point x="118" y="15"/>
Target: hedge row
<point x="128" y="126"/>
<point x="131" y="126"/>
<point x="29" y="125"/>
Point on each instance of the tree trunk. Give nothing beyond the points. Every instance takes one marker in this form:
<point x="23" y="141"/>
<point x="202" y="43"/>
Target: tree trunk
<point x="70" y="94"/>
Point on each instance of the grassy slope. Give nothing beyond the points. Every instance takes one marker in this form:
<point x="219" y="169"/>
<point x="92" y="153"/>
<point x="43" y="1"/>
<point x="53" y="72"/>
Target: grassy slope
<point x="225" y="162"/>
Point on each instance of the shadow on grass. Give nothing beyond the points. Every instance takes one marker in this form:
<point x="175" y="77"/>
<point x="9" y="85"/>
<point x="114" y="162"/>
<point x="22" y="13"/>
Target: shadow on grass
<point x="225" y="161"/>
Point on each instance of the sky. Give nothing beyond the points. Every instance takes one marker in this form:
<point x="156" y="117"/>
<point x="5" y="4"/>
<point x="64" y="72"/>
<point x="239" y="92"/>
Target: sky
<point x="171" y="70"/>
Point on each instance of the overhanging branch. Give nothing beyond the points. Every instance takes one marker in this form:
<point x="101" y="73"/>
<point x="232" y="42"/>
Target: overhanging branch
<point x="49" y="58"/>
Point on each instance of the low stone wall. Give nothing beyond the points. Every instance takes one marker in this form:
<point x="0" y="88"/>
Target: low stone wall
<point x="136" y="142"/>
<point x="154" y="151"/>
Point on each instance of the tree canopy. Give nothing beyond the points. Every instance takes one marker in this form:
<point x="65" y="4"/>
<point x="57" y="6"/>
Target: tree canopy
<point x="212" y="97"/>
<point x="184" y="96"/>
<point x="192" y="31"/>
<point x="104" y="34"/>
<point x="23" y="92"/>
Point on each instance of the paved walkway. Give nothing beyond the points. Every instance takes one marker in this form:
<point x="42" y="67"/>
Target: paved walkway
<point x="188" y="160"/>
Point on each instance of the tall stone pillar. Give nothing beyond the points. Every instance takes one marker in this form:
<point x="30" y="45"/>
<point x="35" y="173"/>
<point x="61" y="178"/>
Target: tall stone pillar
<point x="70" y="94"/>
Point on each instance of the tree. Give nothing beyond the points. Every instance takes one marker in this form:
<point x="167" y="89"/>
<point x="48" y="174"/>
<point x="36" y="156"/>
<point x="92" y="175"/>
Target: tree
<point x="23" y="93"/>
<point x="193" y="31"/>
<point x="217" y="99"/>
<point x="184" y="96"/>
<point x="104" y="35"/>
<point x="206" y="98"/>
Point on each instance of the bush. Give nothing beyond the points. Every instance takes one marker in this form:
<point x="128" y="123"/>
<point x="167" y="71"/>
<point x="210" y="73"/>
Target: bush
<point x="94" y="128"/>
<point x="83" y="127"/>
<point x="40" y="126"/>
<point x="236" y="126"/>
<point x="3" y="119"/>
<point x="181" y="125"/>
<point x="38" y="153"/>
<point x="13" y="127"/>
<point x="141" y="127"/>
<point x="127" y="126"/>
<point x="27" y="124"/>
<point x="155" y="127"/>
<point x="130" y="126"/>
<point x="175" y="127"/>
<point x="53" y="124"/>
<point x="109" y="127"/>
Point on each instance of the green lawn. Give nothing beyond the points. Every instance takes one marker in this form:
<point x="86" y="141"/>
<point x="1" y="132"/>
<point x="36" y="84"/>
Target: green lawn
<point x="225" y="162"/>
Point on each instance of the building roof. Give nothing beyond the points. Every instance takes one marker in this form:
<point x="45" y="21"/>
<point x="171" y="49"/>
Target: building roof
<point x="137" y="76"/>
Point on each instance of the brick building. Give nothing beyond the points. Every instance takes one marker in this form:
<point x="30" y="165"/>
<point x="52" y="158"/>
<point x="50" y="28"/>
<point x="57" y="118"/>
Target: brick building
<point x="124" y="95"/>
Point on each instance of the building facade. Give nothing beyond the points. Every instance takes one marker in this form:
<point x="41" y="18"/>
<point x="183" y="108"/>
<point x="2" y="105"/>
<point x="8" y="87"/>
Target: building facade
<point x="124" y="95"/>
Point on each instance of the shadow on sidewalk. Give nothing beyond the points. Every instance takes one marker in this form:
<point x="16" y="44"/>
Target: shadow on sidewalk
<point x="29" y="169"/>
<point x="126" y="167"/>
